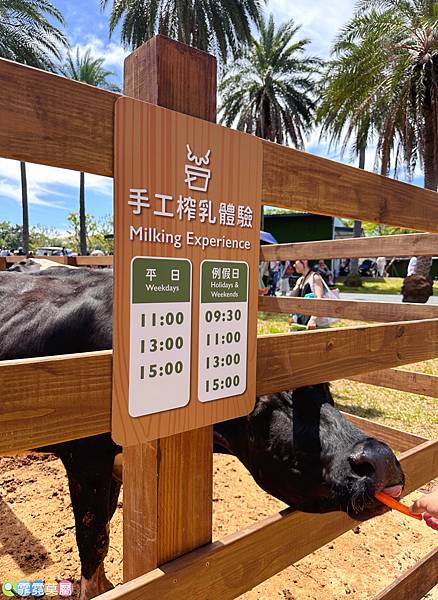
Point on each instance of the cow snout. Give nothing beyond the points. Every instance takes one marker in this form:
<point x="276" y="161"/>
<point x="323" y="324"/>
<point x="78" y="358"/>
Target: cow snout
<point x="376" y="461"/>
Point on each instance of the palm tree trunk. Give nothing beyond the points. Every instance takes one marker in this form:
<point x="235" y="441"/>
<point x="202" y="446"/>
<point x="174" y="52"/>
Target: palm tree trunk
<point x="418" y="286"/>
<point x="353" y="278"/>
<point x="25" y="208"/>
<point x="82" y="222"/>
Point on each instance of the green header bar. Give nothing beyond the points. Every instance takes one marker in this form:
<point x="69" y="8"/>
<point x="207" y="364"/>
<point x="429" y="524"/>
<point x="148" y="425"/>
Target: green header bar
<point x="224" y="281"/>
<point x="160" y="280"/>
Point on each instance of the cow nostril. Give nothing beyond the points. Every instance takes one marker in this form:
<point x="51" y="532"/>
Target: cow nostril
<point x="362" y="467"/>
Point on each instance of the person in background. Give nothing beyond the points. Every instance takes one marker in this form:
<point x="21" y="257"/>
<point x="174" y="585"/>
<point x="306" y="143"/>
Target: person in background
<point x="345" y="266"/>
<point x="412" y="265"/>
<point x="285" y="273"/>
<point x="323" y="270"/>
<point x="428" y="505"/>
<point x="309" y="283"/>
<point x="263" y="276"/>
<point x="381" y="264"/>
<point x="274" y="269"/>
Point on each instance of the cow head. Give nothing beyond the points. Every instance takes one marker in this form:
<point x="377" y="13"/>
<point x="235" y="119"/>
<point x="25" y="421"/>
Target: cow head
<point x="299" y="448"/>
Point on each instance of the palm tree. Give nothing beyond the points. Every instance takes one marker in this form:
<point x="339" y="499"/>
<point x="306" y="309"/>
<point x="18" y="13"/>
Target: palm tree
<point x="390" y="53"/>
<point x="218" y="27"/>
<point x="89" y="70"/>
<point x="269" y="91"/>
<point x="27" y="36"/>
<point x="345" y="113"/>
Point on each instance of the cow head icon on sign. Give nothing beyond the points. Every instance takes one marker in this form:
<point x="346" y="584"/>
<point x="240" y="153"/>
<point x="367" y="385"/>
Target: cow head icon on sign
<point x="197" y="176"/>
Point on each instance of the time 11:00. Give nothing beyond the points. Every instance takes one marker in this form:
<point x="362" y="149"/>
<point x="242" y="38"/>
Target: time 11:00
<point x="166" y="319"/>
<point x="224" y="338"/>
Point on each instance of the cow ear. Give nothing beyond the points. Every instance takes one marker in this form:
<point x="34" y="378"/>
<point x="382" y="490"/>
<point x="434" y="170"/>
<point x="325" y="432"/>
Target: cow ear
<point x="261" y="416"/>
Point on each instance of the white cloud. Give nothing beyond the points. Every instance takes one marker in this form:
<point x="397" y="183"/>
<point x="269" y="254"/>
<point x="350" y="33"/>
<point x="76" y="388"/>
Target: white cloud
<point x="112" y="53"/>
<point x="13" y="191"/>
<point x="43" y="184"/>
<point x="321" y="21"/>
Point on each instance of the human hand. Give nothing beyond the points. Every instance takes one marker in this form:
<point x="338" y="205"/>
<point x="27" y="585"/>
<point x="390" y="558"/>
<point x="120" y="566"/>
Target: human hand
<point x="312" y="323"/>
<point x="428" y="504"/>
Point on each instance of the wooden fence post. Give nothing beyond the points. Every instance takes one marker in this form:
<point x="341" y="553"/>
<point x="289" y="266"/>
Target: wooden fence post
<point x="167" y="507"/>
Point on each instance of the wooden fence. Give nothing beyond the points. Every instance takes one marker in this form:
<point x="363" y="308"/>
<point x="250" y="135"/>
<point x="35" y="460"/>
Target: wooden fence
<point x="168" y="553"/>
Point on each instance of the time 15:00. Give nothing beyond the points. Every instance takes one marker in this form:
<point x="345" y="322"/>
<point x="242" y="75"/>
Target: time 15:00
<point x="216" y="384"/>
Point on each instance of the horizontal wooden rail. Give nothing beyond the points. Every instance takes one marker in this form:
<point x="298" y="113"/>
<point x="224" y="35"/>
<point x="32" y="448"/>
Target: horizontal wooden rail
<point x="301" y="181"/>
<point x="72" y="261"/>
<point x="360" y="310"/>
<point x="415" y="582"/>
<point x="398" y="440"/>
<point x="304" y="358"/>
<point x="91" y="261"/>
<point x="398" y="379"/>
<point x="227" y="568"/>
<point x="9" y="261"/>
<point x="43" y="404"/>
<point x="53" y="399"/>
<point x="410" y="244"/>
<point x="50" y="400"/>
<point x="51" y="120"/>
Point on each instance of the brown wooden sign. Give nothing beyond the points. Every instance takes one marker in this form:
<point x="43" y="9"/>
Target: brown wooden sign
<point x="187" y="223"/>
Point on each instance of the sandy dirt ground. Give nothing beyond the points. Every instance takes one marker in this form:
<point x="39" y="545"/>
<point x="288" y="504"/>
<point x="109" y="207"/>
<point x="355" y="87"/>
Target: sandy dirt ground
<point x="37" y="535"/>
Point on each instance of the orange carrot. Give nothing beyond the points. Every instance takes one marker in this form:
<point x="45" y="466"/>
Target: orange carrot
<point x="396" y="505"/>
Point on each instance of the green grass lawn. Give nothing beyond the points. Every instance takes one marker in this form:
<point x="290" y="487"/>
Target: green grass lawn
<point x="402" y="410"/>
<point x="378" y="285"/>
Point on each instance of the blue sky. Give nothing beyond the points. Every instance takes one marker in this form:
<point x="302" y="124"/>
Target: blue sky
<point x="53" y="193"/>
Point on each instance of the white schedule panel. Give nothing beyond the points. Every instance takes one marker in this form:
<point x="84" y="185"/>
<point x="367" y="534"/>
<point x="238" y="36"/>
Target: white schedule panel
<point x="161" y="324"/>
<point x="223" y="329"/>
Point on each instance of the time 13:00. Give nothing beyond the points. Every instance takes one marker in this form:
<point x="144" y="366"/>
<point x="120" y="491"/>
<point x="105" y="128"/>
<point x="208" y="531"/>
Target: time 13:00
<point x="223" y="361"/>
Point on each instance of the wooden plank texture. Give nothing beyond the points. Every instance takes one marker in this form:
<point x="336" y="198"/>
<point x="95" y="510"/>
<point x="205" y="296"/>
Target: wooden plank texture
<point x="12" y="260"/>
<point x="228" y="568"/>
<point x="286" y="362"/>
<point x="57" y="395"/>
<point x="300" y="181"/>
<point x="90" y="261"/>
<point x="411" y="244"/>
<point x="50" y="120"/>
<point x="182" y="79"/>
<point x="73" y="261"/>
<point x="296" y="359"/>
<point x="174" y="76"/>
<point x="398" y="440"/>
<point x="415" y="582"/>
<point x="360" y="310"/>
<point x="48" y="400"/>
<point x="234" y="173"/>
<point x="398" y="379"/>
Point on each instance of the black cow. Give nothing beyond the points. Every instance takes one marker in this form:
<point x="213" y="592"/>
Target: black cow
<point x="296" y="444"/>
